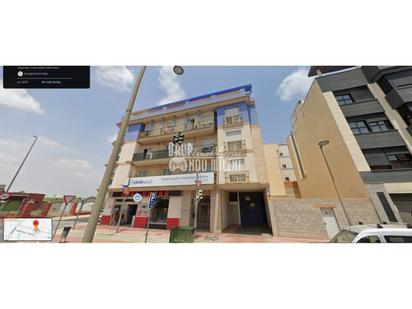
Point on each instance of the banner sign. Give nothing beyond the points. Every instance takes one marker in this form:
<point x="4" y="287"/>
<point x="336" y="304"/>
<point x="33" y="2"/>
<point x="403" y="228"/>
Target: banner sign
<point x="172" y="180"/>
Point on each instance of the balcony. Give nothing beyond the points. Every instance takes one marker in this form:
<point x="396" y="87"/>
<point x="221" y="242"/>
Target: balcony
<point x="235" y="147"/>
<point x="237" y="177"/>
<point x="233" y="121"/>
<point x="151" y="157"/>
<point x="390" y="138"/>
<point x="365" y="107"/>
<point x="166" y="133"/>
<point x="398" y="97"/>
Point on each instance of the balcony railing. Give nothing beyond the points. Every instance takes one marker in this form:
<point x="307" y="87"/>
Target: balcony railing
<point x="235" y="146"/>
<point x="175" y="129"/>
<point x="236" y="177"/>
<point x="151" y="155"/>
<point x="233" y="121"/>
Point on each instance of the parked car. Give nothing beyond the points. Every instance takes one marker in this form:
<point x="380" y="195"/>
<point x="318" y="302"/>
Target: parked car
<point x="379" y="233"/>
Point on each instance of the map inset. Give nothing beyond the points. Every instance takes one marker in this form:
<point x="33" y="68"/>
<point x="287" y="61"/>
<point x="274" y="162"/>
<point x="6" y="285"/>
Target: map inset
<point x="27" y="229"/>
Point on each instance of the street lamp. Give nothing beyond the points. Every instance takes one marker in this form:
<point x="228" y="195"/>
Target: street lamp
<point x="178" y="70"/>
<point x="321" y="145"/>
<point x="101" y="194"/>
<point x="22" y="163"/>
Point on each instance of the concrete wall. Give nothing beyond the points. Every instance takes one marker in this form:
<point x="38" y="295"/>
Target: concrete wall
<point x="225" y="208"/>
<point x="302" y="217"/>
<point x="315" y="122"/>
<point x="274" y="175"/>
<point x="185" y="216"/>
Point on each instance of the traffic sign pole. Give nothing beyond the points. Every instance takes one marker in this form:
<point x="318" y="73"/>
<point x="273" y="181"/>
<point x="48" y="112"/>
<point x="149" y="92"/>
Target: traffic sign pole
<point x="67" y="199"/>
<point x="197" y="183"/>
<point x="120" y="214"/>
<point x="147" y="225"/>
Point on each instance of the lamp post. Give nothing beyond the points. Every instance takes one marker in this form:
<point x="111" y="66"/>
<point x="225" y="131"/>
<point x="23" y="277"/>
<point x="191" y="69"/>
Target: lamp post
<point x="101" y="195"/>
<point x="321" y="145"/>
<point x="22" y="163"/>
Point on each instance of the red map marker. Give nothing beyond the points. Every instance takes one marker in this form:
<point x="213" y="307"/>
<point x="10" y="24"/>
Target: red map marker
<point x="36" y="225"/>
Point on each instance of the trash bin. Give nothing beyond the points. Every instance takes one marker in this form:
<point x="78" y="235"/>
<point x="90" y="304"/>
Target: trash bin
<point x="182" y="234"/>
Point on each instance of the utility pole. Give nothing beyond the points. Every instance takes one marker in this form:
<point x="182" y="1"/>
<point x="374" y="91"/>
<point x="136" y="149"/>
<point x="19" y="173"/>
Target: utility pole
<point x="22" y="163"/>
<point x="321" y="145"/>
<point x="101" y="195"/>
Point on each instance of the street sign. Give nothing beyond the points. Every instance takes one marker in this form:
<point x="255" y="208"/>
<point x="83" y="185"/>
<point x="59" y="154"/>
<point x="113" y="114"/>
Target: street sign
<point x="198" y="184"/>
<point x="4" y="196"/>
<point x="68" y="198"/>
<point x="126" y="191"/>
<point x="137" y="197"/>
<point x="153" y="199"/>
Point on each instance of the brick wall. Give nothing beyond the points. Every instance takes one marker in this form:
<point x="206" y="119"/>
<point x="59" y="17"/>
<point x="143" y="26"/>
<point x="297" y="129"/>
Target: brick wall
<point x="302" y="217"/>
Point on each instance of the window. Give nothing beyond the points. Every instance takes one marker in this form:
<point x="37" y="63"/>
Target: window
<point x="380" y="126"/>
<point x="369" y="239"/>
<point x="398" y="239"/>
<point x="236" y="164"/>
<point x="365" y="126"/>
<point x="283" y="165"/>
<point x="358" y="127"/>
<point x="142" y="174"/>
<point x="280" y="154"/>
<point x="344" y="99"/>
<point x="232" y="112"/>
<point x="400" y="160"/>
<point x="233" y="133"/>
<point x="237" y="178"/>
<point x="236" y="145"/>
<point x="190" y="123"/>
<point x="287" y="179"/>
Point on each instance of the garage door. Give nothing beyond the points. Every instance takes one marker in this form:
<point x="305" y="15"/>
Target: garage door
<point x="252" y="208"/>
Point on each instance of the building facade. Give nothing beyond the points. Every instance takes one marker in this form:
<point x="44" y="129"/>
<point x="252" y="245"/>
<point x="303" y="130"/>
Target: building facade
<point x="365" y="115"/>
<point x="226" y="154"/>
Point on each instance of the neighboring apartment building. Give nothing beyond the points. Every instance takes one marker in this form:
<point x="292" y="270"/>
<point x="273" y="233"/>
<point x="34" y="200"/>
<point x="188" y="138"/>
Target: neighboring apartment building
<point x="286" y="166"/>
<point x="223" y="127"/>
<point x="365" y="114"/>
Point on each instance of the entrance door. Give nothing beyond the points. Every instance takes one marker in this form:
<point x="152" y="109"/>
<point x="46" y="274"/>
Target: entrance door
<point x="203" y="217"/>
<point x="329" y="221"/>
<point x="131" y="212"/>
<point x="252" y="208"/>
<point x="158" y="214"/>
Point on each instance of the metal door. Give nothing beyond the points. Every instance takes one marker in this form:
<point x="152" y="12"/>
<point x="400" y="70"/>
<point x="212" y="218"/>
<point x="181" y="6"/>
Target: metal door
<point x="329" y="220"/>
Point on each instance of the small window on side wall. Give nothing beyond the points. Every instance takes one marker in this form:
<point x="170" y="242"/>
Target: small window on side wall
<point x="344" y="99"/>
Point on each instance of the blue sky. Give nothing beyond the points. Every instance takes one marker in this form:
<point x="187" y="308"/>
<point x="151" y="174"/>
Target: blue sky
<point x="75" y="126"/>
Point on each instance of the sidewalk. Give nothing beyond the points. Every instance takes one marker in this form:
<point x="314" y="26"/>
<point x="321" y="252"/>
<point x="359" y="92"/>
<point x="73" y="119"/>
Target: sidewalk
<point x="107" y="234"/>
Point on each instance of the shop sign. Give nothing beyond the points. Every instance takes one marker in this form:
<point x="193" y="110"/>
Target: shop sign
<point x="171" y="180"/>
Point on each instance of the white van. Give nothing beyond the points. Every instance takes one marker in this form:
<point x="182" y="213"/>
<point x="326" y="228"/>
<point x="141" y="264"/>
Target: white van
<point x="379" y="233"/>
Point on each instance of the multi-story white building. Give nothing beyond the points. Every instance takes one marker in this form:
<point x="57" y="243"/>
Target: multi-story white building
<point x="229" y="154"/>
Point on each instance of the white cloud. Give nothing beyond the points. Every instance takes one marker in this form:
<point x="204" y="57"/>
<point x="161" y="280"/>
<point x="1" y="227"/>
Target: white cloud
<point x="170" y="84"/>
<point x="119" y="78"/>
<point x="50" y="168"/>
<point x="295" y="85"/>
<point x="112" y="137"/>
<point x="74" y="164"/>
<point x="19" y="99"/>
